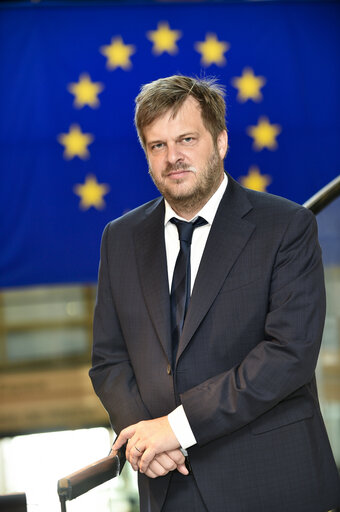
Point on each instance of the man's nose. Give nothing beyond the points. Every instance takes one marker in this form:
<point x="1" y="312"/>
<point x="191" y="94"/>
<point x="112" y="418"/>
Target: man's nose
<point x="173" y="154"/>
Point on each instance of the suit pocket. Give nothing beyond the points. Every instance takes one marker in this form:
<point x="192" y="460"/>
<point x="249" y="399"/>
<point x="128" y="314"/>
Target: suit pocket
<point x="285" y="413"/>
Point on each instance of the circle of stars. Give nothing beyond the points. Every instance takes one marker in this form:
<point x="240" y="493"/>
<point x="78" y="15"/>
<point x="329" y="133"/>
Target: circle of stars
<point x="164" y="39"/>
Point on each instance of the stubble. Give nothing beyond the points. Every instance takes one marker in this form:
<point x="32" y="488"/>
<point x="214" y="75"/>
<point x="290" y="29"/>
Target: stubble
<point x="192" y="200"/>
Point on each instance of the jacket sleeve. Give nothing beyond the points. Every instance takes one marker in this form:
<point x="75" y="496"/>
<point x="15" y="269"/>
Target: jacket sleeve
<point x="286" y="359"/>
<point x="111" y="373"/>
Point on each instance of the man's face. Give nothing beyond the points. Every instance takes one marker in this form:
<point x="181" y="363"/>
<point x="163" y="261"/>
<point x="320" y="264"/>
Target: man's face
<point x="184" y="163"/>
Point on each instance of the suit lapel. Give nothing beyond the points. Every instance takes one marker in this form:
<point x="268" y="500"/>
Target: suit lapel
<point x="227" y="238"/>
<point x="152" y="269"/>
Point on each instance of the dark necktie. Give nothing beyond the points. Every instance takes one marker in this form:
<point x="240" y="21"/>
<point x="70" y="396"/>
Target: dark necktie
<point x="181" y="281"/>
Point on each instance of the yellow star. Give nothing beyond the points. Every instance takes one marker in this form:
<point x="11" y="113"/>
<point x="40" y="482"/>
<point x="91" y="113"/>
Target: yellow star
<point x="264" y="134"/>
<point x="91" y="193"/>
<point x="85" y="91"/>
<point x="255" y="180"/>
<point x="75" y="142"/>
<point x="248" y="86"/>
<point x="164" y="39"/>
<point x="212" y="50"/>
<point x="118" y="54"/>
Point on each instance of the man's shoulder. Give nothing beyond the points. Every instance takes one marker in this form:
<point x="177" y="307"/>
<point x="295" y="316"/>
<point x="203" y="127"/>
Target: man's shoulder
<point x="264" y="203"/>
<point x="266" y="200"/>
<point x="133" y="218"/>
<point x="265" y="207"/>
<point x="278" y="214"/>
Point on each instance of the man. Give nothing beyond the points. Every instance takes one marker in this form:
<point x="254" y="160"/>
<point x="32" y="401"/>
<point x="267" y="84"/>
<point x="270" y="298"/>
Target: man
<point x="229" y="375"/>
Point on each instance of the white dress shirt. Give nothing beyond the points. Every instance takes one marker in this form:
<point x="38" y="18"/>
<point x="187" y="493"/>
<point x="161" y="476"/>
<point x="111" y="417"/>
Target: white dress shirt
<point x="177" y="418"/>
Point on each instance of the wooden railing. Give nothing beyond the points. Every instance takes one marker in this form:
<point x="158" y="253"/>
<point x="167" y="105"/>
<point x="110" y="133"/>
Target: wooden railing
<point x="87" y="478"/>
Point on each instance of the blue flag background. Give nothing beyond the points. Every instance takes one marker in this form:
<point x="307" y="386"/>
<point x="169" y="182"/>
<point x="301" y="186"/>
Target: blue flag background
<point x="69" y="156"/>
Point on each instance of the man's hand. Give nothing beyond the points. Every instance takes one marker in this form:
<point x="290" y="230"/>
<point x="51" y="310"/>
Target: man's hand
<point x="166" y="462"/>
<point x="146" y="440"/>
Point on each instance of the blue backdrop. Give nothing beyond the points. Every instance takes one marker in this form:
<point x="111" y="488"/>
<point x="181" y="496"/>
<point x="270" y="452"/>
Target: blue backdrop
<point x="69" y="156"/>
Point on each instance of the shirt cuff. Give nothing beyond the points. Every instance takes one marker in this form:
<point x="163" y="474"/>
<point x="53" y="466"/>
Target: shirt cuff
<point x="180" y="425"/>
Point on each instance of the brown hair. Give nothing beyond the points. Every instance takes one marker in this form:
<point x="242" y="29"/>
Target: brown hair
<point x="169" y="93"/>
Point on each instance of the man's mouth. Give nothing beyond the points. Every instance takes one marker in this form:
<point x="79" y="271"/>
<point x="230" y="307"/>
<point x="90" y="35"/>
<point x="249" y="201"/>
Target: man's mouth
<point x="179" y="172"/>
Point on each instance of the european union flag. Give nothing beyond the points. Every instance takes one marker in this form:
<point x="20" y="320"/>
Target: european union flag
<point x="69" y="155"/>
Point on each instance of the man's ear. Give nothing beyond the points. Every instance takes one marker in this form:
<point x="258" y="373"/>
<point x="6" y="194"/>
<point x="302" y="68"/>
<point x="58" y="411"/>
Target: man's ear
<point x="222" y="144"/>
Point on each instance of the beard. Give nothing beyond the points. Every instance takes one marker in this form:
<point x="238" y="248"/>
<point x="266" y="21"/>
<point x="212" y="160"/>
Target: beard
<point x="193" y="197"/>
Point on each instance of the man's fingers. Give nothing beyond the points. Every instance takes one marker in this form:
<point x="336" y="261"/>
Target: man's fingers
<point x="161" y="465"/>
<point x="125" y="434"/>
<point x="133" y="452"/>
<point x="130" y="448"/>
<point x="165" y="461"/>
<point x="182" y="469"/>
<point x="150" y="473"/>
<point x="146" y="439"/>
<point x="146" y="458"/>
<point x="157" y="468"/>
<point x="176" y="455"/>
<point x="179" y="459"/>
<point x="154" y="465"/>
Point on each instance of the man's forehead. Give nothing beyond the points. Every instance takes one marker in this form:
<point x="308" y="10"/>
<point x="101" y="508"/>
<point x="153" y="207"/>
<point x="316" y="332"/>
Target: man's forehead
<point x="189" y="105"/>
<point x="188" y="111"/>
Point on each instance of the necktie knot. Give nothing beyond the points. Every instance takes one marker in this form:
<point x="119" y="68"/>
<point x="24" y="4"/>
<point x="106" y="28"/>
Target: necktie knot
<point x="186" y="229"/>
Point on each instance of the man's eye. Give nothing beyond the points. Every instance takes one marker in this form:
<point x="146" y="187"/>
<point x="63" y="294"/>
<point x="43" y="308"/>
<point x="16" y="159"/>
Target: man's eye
<point x="157" y="147"/>
<point x="187" y="140"/>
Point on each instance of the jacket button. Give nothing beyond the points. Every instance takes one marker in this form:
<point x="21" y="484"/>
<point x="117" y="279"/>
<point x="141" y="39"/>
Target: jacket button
<point x="168" y="369"/>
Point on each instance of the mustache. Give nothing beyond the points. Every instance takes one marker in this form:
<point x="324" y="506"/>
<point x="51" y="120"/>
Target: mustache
<point x="178" y="166"/>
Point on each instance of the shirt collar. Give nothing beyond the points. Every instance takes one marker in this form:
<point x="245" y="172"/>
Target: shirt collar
<point x="208" y="211"/>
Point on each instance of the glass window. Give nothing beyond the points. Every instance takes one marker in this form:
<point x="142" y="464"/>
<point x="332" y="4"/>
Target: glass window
<point x="34" y="463"/>
<point x="45" y="324"/>
<point x="328" y="371"/>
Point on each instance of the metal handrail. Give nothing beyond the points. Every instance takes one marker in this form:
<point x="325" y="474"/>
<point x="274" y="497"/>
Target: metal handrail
<point x="324" y="197"/>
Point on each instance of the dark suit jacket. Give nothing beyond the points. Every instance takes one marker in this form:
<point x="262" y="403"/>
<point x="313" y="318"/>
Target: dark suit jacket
<point x="246" y="358"/>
